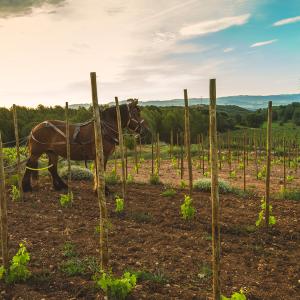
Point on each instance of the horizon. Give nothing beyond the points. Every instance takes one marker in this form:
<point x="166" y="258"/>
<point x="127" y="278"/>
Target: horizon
<point x="147" y="51"/>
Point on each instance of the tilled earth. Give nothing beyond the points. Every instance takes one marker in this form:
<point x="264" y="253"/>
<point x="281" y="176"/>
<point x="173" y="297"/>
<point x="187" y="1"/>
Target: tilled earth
<point x="151" y="235"/>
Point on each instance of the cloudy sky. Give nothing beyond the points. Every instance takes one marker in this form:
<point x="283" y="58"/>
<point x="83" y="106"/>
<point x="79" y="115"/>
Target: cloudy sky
<point x="146" y="49"/>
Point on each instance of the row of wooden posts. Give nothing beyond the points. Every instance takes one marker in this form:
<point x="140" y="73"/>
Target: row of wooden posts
<point x="103" y="240"/>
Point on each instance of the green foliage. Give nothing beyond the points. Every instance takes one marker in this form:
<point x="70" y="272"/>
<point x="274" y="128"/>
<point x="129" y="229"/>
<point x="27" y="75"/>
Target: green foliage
<point x="174" y="162"/>
<point x="206" y="174"/>
<point x="241" y="166"/>
<point x="18" y="270"/>
<point x="115" y="288"/>
<point x="187" y="210"/>
<point x="261" y="215"/>
<point x="130" y="179"/>
<point x="77" y="173"/>
<point x="168" y="193"/>
<point x="232" y="174"/>
<point x="15" y="193"/>
<point x="112" y="178"/>
<point x="154" y="179"/>
<point x="205" y="271"/>
<point x="204" y="185"/>
<point x="141" y="217"/>
<point x="156" y="277"/>
<point x="183" y="184"/>
<point x="69" y="250"/>
<point x="119" y="205"/>
<point x="262" y="173"/>
<point x="73" y="266"/>
<point x="289" y="194"/>
<point x="129" y="141"/>
<point x="235" y="296"/>
<point x="66" y="200"/>
<point x="290" y="178"/>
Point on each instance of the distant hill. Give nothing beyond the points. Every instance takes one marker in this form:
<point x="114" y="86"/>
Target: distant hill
<point x="244" y="101"/>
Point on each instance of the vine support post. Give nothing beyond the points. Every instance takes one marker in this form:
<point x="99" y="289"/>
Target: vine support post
<point x="15" y="117"/>
<point x="3" y="210"/>
<point x="268" y="148"/>
<point x="284" y="164"/>
<point x="136" y="156"/>
<point x="121" y="146"/>
<point x="104" y="257"/>
<point x="188" y="140"/>
<point x="68" y="147"/>
<point x="152" y="155"/>
<point x="244" y="161"/>
<point x="214" y="192"/>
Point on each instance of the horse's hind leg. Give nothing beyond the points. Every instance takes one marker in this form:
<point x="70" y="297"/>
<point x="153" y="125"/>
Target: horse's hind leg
<point x="58" y="184"/>
<point x="31" y="163"/>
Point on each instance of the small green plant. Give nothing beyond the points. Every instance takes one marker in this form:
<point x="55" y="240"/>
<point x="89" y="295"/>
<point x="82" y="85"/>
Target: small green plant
<point x="241" y="166"/>
<point x="141" y="217"/>
<point x="261" y="215"/>
<point x="130" y="179"/>
<point x="156" y="277"/>
<point x="174" y="162"/>
<point x="168" y="193"/>
<point x="187" y="210"/>
<point x="119" y="205"/>
<point x="72" y="267"/>
<point x="206" y="174"/>
<point x="235" y="296"/>
<point x="66" y="199"/>
<point x="183" y="184"/>
<point x="69" y="250"/>
<point x="18" y="270"/>
<point x="115" y="288"/>
<point x="15" y="193"/>
<point x="112" y="178"/>
<point x="204" y="185"/>
<point x="154" y="179"/>
<point x="262" y="173"/>
<point x="286" y="194"/>
<point x="77" y="173"/>
<point x="290" y="178"/>
<point x="205" y="271"/>
<point x="232" y="174"/>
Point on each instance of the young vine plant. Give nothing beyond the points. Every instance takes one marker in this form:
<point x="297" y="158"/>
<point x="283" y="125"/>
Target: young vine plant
<point x="261" y="215"/>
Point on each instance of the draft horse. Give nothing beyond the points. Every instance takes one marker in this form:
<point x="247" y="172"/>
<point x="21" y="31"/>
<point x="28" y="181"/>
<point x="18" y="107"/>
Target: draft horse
<point x="49" y="137"/>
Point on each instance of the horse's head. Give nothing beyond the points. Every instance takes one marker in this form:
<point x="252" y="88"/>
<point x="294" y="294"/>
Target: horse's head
<point x="135" y="122"/>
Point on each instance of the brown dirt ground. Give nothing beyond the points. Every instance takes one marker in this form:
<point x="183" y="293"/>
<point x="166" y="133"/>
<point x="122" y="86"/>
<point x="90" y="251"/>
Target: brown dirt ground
<point x="265" y="264"/>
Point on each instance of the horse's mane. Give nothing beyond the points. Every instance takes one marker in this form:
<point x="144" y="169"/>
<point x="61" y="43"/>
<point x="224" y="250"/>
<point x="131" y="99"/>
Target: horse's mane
<point x="109" y="113"/>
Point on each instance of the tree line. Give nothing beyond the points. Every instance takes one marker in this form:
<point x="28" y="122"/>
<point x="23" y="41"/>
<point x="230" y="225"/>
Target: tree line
<point x="159" y="119"/>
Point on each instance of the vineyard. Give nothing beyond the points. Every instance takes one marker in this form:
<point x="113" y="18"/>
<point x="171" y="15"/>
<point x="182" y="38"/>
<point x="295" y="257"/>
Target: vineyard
<point x="202" y="215"/>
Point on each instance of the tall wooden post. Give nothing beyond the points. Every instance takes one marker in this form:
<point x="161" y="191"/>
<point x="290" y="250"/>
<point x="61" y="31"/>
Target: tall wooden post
<point x="121" y="146"/>
<point x="171" y="143"/>
<point x="284" y="164"/>
<point x="244" y="161"/>
<point x="3" y="210"/>
<point x="188" y="140"/>
<point x="268" y="148"/>
<point x="152" y="155"/>
<point x="136" y="156"/>
<point x="181" y="157"/>
<point x="214" y="192"/>
<point x="15" y="117"/>
<point x="157" y="153"/>
<point x="100" y="177"/>
<point x="68" y="148"/>
<point x="229" y="150"/>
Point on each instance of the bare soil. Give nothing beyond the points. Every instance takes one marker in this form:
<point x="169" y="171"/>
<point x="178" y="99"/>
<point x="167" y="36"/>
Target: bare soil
<point x="152" y="236"/>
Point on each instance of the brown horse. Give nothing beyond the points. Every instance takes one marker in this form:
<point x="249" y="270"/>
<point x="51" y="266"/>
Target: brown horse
<point x="49" y="137"/>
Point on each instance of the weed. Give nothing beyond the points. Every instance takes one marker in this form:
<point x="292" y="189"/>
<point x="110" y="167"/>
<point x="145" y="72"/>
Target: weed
<point x="183" y="184"/>
<point x="204" y="185"/>
<point x="154" y="179"/>
<point x="112" y="178"/>
<point x="130" y="179"/>
<point x="206" y="174"/>
<point x="156" y="277"/>
<point x="73" y="266"/>
<point x="66" y="199"/>
<point x="168" y="193"/>
<point x="289" y="194"/>
<point x="232" y="174"/>
<point x="290" y="178"/>
<point x="69" y="250"/>
<point x="235" y="296"/>
<point x="141" y="217"/>
<point x="77" y="173"/>
<point x="205" y="271"/>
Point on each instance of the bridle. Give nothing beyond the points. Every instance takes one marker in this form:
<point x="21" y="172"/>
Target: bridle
<point x="132" y="119"/>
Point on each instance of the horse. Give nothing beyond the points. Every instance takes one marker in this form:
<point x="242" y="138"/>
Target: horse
<point x="49" y="138"/>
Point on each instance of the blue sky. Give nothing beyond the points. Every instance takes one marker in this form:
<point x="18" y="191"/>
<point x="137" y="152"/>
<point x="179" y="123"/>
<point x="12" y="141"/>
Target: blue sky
<point x="149" y="50"/>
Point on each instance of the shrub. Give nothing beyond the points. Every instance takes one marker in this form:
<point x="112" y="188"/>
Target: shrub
<point x="154" y="179"/>
<point x="168" y="193"/>
<point x="187" y="210"/>
<point x="77" y="173"/>
<point x="115" y="288"/>
<point x="204" y="185"/>
<point x="112" y="178"/>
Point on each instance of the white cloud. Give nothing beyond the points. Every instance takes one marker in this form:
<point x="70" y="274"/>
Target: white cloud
<point x="214" y="25"/>
<point x="226" y="50"/>
<point x="259" y="44"/>
<point x="287" y="21"/>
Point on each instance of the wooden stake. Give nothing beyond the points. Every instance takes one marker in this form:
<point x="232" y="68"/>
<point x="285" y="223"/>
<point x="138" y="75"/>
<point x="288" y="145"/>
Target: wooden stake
<point x="284" y="164"/>
<point x="188" y="140"/>
<point x="100" y="178"/>
<point x="152" y="155"/>
<point x="121" y="146"/>
<point x="15" y="117"/>
<point x="268" y="148"/>
<point x="68" y="148"/>
<point x="244" y="161"/>
<point x="214" y="192"/>
<point x="3" y="210"/>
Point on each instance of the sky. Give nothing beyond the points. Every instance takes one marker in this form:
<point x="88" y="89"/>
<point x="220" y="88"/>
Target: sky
<point x="144" y="49"/>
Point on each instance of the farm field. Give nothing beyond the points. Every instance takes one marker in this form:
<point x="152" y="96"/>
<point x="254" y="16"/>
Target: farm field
<point x="151" y="236"/>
